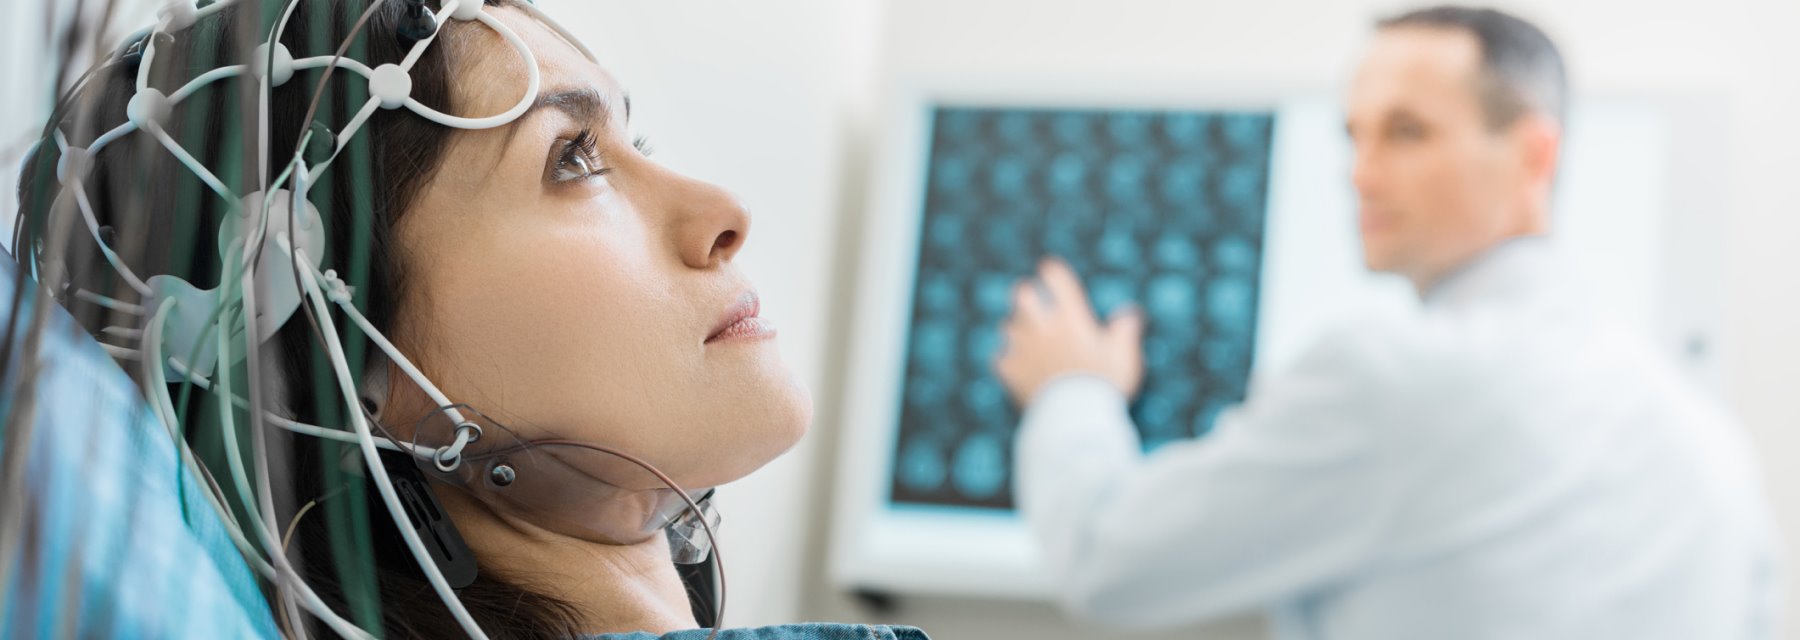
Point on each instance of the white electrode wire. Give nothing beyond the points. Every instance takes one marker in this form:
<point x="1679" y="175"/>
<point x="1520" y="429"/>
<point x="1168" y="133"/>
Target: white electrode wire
<point x="160" y="402"/>
<point x="159" y="388"/>
<point x="259" y="237"/>
<point x="319" y="92"/>
<point x="264" y="88"/>
<point x="320" y="62"/>
<point x="228" y="424"/>
<point x="284" y="576"/>
<point x="148" y="57"/>
<point x="228" y="429"/>
<point x="463" y="436"/>
<point x="281" y="25"/>
<point x="251" y="263"/>
<point x="110" y="136"/>
<point x="454" y="450"/>
<point x="246" y="263"/>
<point x="252" y="314"/>
<point x="214" y="494"/>
<point x="110" y="303"/>
<point x="343" y="139"/>
<point x="381" y="342"/>
<point x="245" y="269"/>
<point x="122" y="332"/>
<point x="121" y="353"/>
<point x="199" y="82"/>
<point x="155" y="129"/>
<point x="62" y="149"/>
<point x="378" y="471"/>
<point x="250" y="246"/>
<point x="533" y="82"/>
<point x="219" y="307"/>
<point x="258" y="507"/>
<point x="532" y="10"/>
<point x="259" y="438"/>
<point x="316" y="431"/>
<point x="532" y="78"/>
<point x="93" y="224"/>
<point x="62" y="141"/>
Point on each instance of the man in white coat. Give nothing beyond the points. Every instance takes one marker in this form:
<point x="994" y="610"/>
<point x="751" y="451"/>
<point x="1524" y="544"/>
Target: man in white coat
<point x="1507" y="464"/>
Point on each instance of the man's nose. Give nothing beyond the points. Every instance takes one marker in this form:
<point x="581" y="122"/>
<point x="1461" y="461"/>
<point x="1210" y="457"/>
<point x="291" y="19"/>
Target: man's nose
<point x="1364" y="172"/>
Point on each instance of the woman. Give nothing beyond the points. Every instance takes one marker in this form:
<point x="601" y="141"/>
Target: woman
<point x="543" y="276"/>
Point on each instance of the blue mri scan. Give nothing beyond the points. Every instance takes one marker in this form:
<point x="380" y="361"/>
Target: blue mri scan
<point x="1162" y="209"/>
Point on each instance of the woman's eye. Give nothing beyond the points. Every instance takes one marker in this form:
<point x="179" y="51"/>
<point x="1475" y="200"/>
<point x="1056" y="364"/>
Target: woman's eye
<point x="573" y="167"/>
<point x="579" y="159"/>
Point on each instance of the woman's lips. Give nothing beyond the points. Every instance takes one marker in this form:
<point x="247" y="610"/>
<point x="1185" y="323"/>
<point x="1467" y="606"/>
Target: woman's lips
<point x="748" y="328"/>
<point x="741" y="322"/>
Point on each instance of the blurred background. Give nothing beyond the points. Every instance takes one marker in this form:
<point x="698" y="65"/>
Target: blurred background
<point x="808" y="110"/>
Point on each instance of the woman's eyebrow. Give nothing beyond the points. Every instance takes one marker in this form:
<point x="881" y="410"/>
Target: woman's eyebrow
<point x="580" y="104"/>
<point x="583" y="104"/>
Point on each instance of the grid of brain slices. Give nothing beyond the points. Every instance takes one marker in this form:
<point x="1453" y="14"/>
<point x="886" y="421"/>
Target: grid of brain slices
<point x="1161" y="209"/>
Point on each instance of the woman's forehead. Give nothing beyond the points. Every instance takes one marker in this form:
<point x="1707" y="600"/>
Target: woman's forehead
<point x="492" y="75"/>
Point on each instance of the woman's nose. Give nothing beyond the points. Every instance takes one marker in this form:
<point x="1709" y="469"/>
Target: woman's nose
<point x="710" y="223"/>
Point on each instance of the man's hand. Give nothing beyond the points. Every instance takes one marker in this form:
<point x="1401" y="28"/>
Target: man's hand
<point x="1049" y="337"/>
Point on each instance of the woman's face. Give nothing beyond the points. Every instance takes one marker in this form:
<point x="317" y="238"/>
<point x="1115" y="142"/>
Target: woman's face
<point x="564" y="284"/>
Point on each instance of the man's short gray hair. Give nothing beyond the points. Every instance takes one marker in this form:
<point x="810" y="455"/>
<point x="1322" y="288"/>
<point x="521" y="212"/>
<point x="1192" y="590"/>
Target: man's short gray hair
<point x="1521" y="70"/>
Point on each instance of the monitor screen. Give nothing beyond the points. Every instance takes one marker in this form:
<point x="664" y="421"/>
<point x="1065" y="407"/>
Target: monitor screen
<point x="1162" y="209"/>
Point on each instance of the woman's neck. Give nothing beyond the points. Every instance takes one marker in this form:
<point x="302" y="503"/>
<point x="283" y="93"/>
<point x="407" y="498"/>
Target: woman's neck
<point x="614" y="588"/>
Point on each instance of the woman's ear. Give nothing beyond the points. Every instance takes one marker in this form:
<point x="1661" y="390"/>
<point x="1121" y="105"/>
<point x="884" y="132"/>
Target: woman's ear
<point x="372" y="407"/>
<point x="375" y="387"/>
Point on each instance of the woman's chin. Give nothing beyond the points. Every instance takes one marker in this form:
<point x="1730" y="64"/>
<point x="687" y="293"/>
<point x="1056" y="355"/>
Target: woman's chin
<point x="801" y="418"/>
<point x="786" y="406"/>
<point x="766" y="435"/>
<point x="789" y="415"/>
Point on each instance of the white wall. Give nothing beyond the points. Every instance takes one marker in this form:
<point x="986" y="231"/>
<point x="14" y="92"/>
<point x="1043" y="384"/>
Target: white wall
<point x="22" y="39"/>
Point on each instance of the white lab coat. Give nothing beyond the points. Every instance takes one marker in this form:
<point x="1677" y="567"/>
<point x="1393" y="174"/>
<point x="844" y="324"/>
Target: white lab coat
<point x="1505" y="464"/>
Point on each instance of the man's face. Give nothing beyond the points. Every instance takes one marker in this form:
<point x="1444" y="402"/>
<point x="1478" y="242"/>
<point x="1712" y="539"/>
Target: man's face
<point x="1436" y="184"/>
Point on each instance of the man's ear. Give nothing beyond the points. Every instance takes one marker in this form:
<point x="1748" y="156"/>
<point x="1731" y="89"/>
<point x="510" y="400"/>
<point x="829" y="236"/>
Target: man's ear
<point x="1539" y="142"/>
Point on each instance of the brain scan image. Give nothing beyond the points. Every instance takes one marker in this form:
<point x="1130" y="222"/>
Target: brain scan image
<point x="1162" y="209"/>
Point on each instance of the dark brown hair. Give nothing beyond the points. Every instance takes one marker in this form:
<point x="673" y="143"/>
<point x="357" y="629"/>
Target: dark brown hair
<point x="1521" y="69"/>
